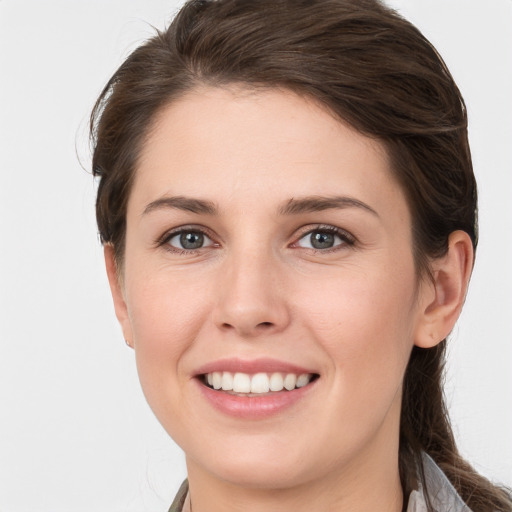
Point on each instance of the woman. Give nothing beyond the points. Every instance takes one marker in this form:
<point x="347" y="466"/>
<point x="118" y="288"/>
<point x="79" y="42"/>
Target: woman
<point x="288" y="210"/>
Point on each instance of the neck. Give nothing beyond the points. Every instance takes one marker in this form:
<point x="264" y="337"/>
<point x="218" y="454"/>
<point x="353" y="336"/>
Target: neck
<point x="372" y="485"/>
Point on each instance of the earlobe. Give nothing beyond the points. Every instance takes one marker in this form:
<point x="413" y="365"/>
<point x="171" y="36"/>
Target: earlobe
<point x="443" y="298"/>
<point x="116" y="289"/>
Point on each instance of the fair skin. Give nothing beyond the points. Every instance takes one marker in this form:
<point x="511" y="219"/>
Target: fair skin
<point x="221" y="267"/>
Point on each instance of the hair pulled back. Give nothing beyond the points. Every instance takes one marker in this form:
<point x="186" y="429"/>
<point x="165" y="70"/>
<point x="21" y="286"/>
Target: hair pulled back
<point x="372" y="69"/>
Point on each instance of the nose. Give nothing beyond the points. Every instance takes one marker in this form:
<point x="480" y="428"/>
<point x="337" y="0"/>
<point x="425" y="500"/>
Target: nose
<point x="251" y="296"/>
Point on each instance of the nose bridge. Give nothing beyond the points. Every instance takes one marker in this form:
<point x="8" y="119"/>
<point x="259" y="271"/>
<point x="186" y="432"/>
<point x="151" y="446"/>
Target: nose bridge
<point x="251" y="299"/>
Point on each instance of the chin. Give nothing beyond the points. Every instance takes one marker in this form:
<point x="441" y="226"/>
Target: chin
<point x="259" y="462"/>
<point x="251" y="463"/>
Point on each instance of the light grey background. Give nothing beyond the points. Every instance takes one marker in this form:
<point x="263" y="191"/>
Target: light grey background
<point x="75" y="432"/>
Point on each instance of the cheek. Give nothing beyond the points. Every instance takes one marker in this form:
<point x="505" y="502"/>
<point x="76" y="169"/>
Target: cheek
<point x="365" y="324"/>
<point x="166" y="316"/>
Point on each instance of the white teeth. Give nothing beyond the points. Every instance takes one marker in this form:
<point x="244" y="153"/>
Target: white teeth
<point x="303" y="380"/>
<point x="258" y="383"/>
<point x="227" y="381"/>
<point x="276" y="382"/>
<point x="241" y="383"/>
<point x="289" y="381"/>
<point x="217" y="380"/>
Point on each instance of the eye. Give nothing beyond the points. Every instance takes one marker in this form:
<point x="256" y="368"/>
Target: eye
<point x="189" y="240"/>
<point x="324" y="238"/>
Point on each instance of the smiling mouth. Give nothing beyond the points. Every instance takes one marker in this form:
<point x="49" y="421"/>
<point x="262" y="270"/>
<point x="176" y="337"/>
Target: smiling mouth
<point x="257" y="384"/>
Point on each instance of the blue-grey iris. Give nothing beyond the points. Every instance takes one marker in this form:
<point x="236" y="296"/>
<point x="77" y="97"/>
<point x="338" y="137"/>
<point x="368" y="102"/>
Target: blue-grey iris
<point x="192" y="240"/>
<point x="322" y="240"/>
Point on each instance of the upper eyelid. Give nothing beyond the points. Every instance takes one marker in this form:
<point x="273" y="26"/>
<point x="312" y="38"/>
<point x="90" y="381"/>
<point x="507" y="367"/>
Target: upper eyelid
<point x="305" y="230"/>
<point x="167" y="235"/>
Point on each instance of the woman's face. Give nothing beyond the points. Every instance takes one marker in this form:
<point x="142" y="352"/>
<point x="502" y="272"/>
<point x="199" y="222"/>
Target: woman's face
<point x="265" y="237"/>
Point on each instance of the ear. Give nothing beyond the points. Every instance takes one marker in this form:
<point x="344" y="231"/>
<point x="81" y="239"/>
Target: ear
<point x="117" y="291"/>
<point x="441" y="301"/>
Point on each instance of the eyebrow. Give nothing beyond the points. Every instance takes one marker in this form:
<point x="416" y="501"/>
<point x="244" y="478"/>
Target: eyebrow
<point x="187" y="204"/>
<point x="293" y="206"/>
<point x="318" y="203"/>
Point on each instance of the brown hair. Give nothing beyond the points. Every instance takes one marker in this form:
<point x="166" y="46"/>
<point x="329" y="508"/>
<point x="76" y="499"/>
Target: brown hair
<point x="371" y="68"/>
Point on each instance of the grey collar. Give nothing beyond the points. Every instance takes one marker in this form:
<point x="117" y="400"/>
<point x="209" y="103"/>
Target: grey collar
<point x="443" y="496"/>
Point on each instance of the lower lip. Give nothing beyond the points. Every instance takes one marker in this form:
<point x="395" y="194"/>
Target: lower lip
<point x="254" y="407"/>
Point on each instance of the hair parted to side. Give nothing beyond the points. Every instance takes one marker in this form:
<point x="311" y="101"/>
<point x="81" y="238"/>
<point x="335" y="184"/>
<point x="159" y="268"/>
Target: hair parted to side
<point x="372" y="69"/>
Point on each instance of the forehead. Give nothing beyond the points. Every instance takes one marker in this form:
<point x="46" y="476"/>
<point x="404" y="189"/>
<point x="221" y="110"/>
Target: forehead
<point x="240" y="146"/>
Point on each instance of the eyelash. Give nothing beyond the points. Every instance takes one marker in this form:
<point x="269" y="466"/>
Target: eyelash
<point x="346" y="238"/>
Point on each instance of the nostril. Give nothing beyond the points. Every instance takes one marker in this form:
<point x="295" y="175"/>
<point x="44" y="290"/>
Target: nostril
<point x="250" y="329"/>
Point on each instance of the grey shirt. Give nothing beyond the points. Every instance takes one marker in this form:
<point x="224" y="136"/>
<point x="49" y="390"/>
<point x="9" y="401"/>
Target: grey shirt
<point x="442" y="494"/>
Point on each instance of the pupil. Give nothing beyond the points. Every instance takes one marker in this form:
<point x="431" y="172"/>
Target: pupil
<point x="191" y="240"/>
<point x="322" y="240"/>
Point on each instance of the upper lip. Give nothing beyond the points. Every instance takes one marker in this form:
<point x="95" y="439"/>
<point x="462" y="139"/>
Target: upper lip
<point x="262" y="365"/>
